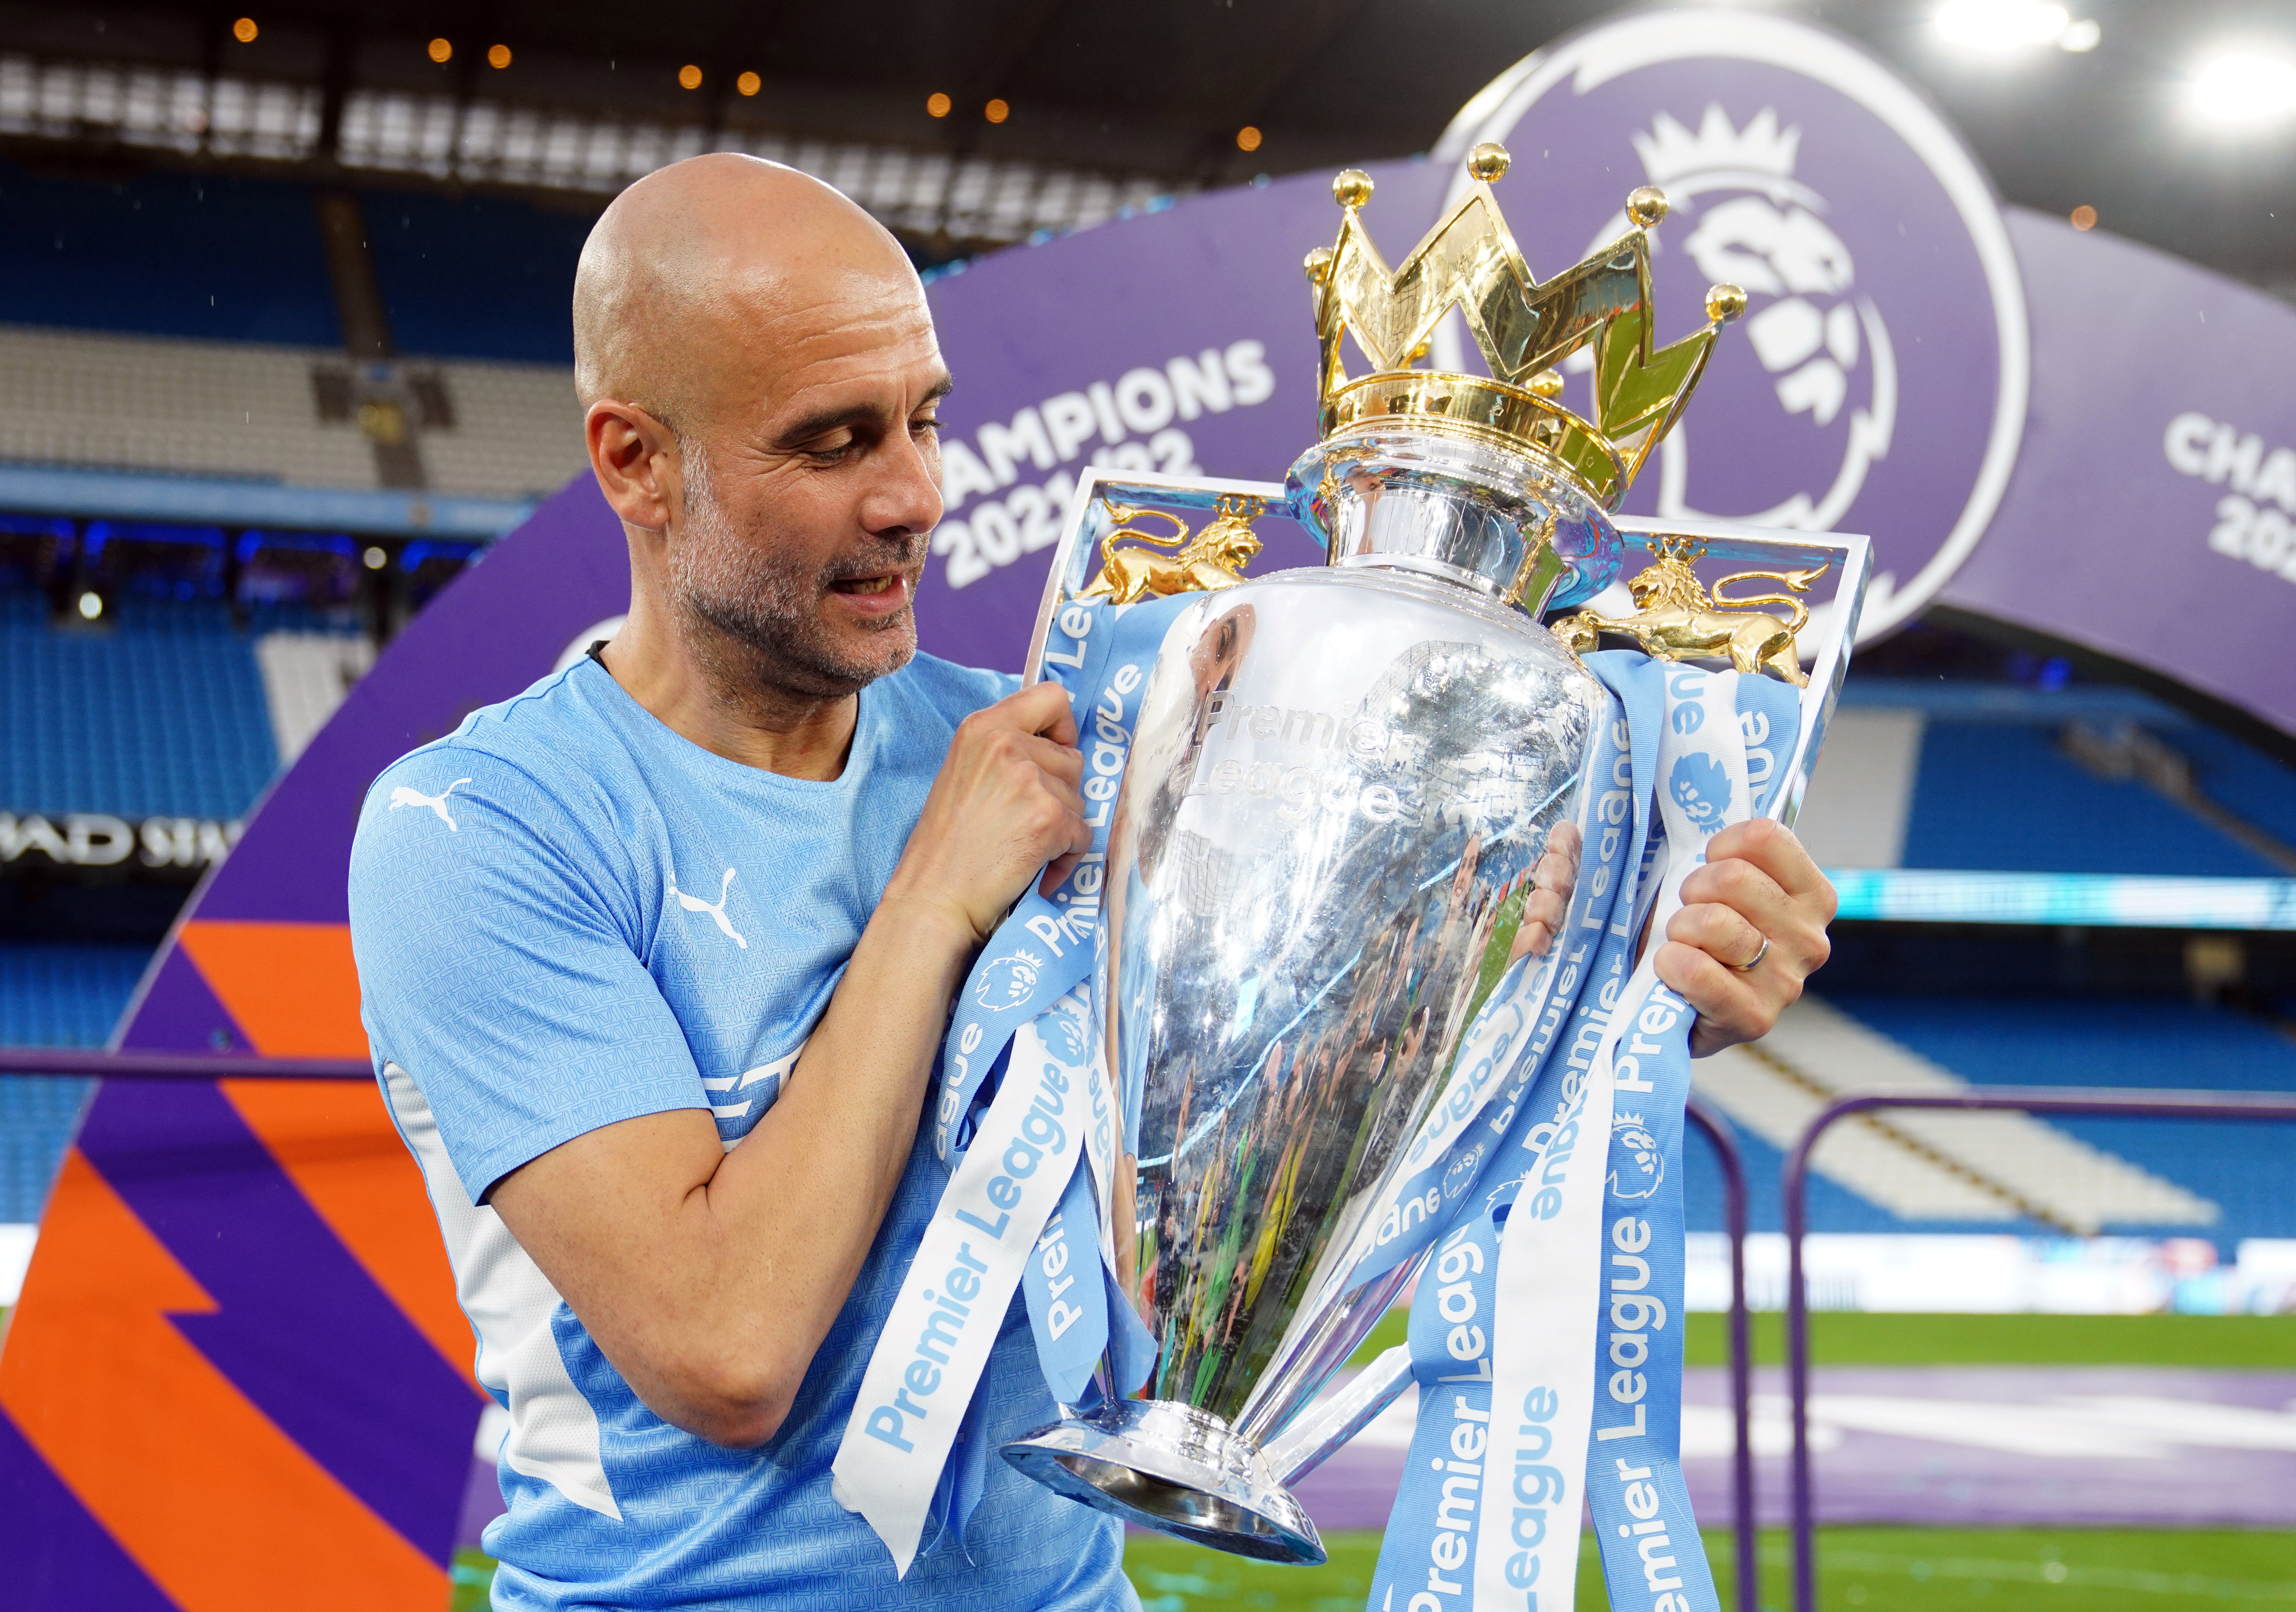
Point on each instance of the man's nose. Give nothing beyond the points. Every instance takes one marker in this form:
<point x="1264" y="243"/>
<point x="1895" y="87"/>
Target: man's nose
<point x="907" y="498"/>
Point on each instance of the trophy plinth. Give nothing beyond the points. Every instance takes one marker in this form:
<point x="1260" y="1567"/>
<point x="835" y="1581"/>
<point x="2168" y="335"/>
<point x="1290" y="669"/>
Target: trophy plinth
<point x="1175" y="1470"/>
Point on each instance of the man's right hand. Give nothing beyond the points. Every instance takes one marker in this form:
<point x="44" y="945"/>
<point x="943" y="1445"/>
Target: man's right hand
<point x="1009" y="800"/>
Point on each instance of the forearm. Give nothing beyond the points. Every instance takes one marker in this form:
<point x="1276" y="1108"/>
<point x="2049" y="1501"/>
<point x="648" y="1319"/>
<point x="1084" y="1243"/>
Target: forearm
<point x="709" y="1278"/>
<point x="810" y="1185"/>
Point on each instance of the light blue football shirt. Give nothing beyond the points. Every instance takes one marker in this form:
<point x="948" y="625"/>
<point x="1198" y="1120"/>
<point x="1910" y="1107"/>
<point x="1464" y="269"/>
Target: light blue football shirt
<point x="566" y="915"/>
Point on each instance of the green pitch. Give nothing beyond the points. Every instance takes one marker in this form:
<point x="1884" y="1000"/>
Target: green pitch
<point x="1868" y="1569"/>
<point x="1865" y="1569"/>
<point x="2227" y="1343"/>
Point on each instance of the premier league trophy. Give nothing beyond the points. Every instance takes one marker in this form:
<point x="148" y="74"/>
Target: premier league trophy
<point x="1341" y="784"/>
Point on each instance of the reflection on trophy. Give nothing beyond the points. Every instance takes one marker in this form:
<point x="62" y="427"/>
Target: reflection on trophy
<point x="1342" y="782"/>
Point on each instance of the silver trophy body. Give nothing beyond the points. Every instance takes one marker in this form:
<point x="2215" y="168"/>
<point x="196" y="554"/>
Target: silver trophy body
<point x="1340" y="783"/>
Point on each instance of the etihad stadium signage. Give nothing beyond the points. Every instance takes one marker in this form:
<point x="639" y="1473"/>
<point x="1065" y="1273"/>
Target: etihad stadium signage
<point x="89" y="843"/>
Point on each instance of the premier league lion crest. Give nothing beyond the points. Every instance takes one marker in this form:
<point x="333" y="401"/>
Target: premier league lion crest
<point x="1064" y="1029"/>
<point x="1700" y="786"/>
<point x="1462" y="1173"/>
<point x="1637" y="1174"/>
<point x="1007" y="982"/>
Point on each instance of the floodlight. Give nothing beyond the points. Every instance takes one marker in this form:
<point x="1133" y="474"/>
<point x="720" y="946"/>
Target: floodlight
<point x="1998" y="27"/>
<point x="2242" y="86"/>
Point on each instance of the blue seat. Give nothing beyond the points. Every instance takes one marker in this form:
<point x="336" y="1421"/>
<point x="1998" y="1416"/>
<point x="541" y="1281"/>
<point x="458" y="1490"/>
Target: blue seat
<point x="164" y="715"/>
<point x="62" y="996"/>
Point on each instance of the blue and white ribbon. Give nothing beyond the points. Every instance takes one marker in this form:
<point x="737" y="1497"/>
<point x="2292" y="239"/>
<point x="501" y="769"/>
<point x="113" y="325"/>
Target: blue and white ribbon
<point x="1546" y="1334"/>
<point x="1021" y="1106"/>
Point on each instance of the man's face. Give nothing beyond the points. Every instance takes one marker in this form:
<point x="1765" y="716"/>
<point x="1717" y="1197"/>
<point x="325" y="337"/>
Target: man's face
<point x="810" y="494"/>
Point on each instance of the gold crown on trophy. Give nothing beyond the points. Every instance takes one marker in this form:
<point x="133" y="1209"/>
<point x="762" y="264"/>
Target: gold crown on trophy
<point x="1524" y="329"/>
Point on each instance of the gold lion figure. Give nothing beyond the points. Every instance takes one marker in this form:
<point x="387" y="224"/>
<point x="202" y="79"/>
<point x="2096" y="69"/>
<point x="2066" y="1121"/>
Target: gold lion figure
<point x="1212" y="560"/>
<point x="1676" y="619"/>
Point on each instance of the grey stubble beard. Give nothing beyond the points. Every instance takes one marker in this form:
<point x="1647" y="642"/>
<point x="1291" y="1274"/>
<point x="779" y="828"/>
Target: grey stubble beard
<point x="753" y="618"/>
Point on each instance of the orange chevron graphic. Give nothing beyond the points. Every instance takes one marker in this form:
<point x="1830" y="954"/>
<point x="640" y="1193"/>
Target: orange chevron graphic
<point x="291" y="986"/>
<point x="212" y="1501"/>
<point x="336" y="1141"/>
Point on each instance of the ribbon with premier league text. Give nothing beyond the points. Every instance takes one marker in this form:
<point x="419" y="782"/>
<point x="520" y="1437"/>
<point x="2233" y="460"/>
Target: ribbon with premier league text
<point x="1575" y="1044"/>
<point x="1023" y="1116"/>
<point x="1544" y="1336"/>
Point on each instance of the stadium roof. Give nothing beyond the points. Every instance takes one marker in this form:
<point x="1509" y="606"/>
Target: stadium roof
<point x="1103" y="105"/>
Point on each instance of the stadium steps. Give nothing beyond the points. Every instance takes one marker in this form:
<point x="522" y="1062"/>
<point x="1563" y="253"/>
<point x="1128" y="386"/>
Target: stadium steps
<point x="305" y="678"/>
<point x="203" y="408"/>
<point x="517" y="432"/>
<point x="1924" y="1164"/>
<point x="241" y="410"/>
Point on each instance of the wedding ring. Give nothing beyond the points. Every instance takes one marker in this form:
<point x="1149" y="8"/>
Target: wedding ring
<point x="1755" y="962"/>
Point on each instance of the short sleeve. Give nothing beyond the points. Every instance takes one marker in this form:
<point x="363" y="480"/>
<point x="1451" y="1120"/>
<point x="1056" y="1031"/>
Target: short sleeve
<point x="499" y="964"/>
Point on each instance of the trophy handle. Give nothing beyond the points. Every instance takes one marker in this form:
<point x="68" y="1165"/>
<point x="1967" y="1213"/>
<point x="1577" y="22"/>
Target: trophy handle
<point x="1834" y="623"/>
<point x="1090" y="519"/>
<point x="1302" y="1447"/>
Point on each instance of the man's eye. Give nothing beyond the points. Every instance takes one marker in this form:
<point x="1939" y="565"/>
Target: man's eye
<point x="924" y="425"/>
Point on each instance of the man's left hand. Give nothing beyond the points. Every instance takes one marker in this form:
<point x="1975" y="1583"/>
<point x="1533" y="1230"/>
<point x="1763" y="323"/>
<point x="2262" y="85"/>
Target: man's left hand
<point x="1759" y="887"/>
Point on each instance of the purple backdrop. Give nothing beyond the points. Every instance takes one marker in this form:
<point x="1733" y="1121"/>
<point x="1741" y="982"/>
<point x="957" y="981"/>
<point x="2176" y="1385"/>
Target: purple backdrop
<point x="1179" y="341"/>
<point x="2150" y="515"/>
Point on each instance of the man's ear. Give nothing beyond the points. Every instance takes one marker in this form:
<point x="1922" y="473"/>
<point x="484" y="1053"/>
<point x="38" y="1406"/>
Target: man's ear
<point x="636" y="459"/>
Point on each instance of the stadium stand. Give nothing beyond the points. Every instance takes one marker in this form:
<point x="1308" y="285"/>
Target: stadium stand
<point x="242" y="261"/>
<point x="208" y="408"/>
<point x="2009" y="798"/>
<point x="198" y="408"/>
<point x="232" y="365"/>
<point x="516" y="430"/>
<point x="2003" y="1173"/>
<point x="163" y="713"/>
<point x="477" y="277"/>
<point x="2129" y="1042"/>
<point x="59" y="996"/>
<point x="1995" y="777"/>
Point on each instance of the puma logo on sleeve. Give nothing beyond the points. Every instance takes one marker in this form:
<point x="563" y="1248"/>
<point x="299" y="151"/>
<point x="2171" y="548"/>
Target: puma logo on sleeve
<point x="402" y="796"/>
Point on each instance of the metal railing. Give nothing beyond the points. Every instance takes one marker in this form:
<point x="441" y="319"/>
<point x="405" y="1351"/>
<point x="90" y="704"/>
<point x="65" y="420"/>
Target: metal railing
<point x="75" y="1063"/>
<point x="1794" y="1187"/>
<point x="1725" y="1142"/>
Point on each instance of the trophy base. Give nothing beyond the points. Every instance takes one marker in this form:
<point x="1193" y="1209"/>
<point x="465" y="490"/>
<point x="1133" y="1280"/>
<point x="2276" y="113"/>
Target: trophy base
<point x="1176" y="1469"/>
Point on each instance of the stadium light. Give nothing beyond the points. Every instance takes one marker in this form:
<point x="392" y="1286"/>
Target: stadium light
<point x="2240" y="87"/>
<point x="937" y="105"/>
<point x="442" y="51"/>
<point x="749" y="84"/>
<point x="244" y="30"/>
<point x="1247" y="138"/>
<point x="996" y="111"/>
<point x="2003" y="28"/>
<point x="91" y="606"/>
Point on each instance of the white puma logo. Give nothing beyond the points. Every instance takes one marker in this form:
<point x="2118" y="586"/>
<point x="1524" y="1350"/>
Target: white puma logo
<point x="694" y="904"/>
<point x="403" y="796"/>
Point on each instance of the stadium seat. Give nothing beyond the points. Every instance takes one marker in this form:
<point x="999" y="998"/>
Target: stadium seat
<point x="162" y="714"/>
<point x="52" y="995"/>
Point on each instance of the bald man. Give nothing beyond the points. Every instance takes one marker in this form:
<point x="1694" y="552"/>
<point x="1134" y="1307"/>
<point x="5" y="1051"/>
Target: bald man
<point x="656" y="996"/>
